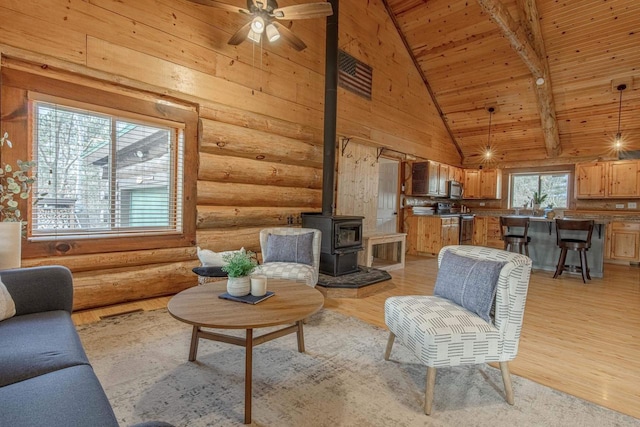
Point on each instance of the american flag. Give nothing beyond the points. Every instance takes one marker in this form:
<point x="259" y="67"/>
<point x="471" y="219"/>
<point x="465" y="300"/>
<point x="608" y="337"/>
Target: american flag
<point x="354" y="75"/>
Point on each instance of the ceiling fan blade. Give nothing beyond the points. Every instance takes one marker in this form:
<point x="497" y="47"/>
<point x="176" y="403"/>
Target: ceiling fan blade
<point x="240" y="35"/>
<point x="304" y="11"/>
<point x="289" y="37"/>
<point x="223" y="6"/>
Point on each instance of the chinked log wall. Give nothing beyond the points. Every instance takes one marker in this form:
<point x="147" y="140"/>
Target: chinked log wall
<point x="260" y="139"/>
<point x="238" y="195"/>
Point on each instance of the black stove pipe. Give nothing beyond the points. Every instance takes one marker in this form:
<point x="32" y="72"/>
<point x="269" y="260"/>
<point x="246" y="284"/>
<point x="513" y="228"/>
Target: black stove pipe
<point x="330" y="110"/>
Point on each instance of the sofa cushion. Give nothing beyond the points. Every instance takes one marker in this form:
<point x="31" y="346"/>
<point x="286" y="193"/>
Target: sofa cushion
<point x="7" y="306"/>
<point x="468" y="282"/>
<point x="67" y="397"/>
<point x="300" y="273"/>
<point x="297" y="248"/>
<point x="38" y="343"/>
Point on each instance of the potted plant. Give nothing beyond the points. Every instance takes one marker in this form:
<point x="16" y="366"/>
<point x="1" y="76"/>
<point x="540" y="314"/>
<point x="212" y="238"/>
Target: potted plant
<point x="238" y="266"/>
<point x="15" y="184"/>
<point x="538" y="199"/>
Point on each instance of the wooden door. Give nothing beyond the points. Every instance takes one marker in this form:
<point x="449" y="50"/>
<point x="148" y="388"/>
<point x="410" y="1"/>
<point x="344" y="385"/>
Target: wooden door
<point x="489" y="183"/>
<point x="419" y="179"/>
<point x="625" y="241"/>
<point x="387" y="214"/>
<point x="443" y="177"/>
<point x="590" y="180"/>
<point x="494" y="238"/>
<point x="434" y="177"/>
<point x="450" y="232"/>
<point x="480" y="231"/>
<point x="471" y="184"/>
<point x="624" y="178"/>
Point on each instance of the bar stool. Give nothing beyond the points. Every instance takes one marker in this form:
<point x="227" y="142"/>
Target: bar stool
<point x="575" y="235"/>
<point x="514" y="230"/>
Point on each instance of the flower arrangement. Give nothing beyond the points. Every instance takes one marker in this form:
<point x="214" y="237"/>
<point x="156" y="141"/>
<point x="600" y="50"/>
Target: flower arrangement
<point x="15" y="182"/>
<point x="239" y="264"/>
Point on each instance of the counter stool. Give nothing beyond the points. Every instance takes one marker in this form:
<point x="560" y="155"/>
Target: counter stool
<point x="514" y="230"/>
<point x="575" y="235"/>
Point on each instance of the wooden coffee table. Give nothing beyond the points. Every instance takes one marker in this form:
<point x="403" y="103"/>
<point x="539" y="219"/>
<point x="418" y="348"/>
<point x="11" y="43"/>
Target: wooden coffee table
<point x="200" y="306"/>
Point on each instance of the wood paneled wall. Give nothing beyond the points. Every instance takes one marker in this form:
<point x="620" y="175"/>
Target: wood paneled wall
<point x="261" y="114"/>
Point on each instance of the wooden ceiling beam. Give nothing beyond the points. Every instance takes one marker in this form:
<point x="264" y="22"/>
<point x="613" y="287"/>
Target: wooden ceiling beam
<point x="527" y="41"/>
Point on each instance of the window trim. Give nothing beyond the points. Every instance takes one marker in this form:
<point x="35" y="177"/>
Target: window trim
<point x="561" y="169"/>
<point x="17" y="88"/>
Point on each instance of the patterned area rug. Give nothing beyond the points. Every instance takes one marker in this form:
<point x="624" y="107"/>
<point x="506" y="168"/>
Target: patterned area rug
<point x="366" y="276"/>
<point x="341" y="380"/>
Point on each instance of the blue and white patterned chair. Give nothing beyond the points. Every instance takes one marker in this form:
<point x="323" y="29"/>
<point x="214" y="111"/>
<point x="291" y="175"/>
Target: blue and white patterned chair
<point x="441" y="333"/>
<point x="302" y="273"/>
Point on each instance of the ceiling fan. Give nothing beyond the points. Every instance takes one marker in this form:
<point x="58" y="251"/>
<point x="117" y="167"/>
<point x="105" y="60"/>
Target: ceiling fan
<point x="265" y="14"/>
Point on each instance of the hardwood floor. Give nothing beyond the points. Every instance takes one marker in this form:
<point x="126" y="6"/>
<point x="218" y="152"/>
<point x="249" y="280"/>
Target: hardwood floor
<point x="581" y="339"/>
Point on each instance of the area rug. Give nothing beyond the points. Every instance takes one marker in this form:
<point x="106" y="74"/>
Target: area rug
<point x="366" y="276"/>
<point x="341" y="380"/>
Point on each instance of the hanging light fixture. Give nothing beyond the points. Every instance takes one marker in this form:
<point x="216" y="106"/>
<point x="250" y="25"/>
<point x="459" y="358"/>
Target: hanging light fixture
<point x="272" y="33"/>
<point x="488" y="152"/>
<point x="254" y="37"/>
<point x="618" y="143"/>
<point x="257" y="25"/>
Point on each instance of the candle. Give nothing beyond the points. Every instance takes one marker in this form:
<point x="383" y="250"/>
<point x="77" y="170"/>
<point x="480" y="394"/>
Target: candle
<point x="258" y="285"/>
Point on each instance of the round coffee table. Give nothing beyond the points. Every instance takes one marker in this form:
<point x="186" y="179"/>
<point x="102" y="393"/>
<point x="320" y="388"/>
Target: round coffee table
<point x="201" y="307"/>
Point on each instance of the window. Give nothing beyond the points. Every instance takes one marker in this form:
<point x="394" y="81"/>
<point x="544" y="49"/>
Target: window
<point x="554" y="184"/>
<point x="101" y="174"/>
<point x="116" y="166"/>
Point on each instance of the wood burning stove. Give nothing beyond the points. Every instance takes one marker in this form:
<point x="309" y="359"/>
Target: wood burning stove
<point x="341" y="241"/>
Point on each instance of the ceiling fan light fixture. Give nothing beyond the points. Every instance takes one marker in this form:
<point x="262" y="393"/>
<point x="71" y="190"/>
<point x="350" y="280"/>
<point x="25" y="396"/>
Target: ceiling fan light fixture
<point x="272" y="33"/>
<point x="257" y="25"/>
<point x="253" y="36"/>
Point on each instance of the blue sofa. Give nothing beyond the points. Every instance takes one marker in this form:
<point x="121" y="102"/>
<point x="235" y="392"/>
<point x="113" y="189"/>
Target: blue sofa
<point x="45" y="376"/>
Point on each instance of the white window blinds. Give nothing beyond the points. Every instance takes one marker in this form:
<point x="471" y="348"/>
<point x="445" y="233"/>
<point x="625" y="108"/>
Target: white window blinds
<point x="101" y="174"/>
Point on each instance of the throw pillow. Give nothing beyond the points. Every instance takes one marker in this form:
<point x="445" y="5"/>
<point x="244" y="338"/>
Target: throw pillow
<point x="7" y="306"/>
<point x="296" y="248"/>
<point x="209" y="258"/>
<point x="468" y="282"/>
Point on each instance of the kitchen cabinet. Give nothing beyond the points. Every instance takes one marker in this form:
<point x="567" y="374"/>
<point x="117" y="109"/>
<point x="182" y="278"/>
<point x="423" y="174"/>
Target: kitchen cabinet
<point x="482" y="184"/>
<point x="623" y="241"/>
<point x="456" y="174"/>
<point x="486" y="232"/>
<point x="429" y="179"/>
<point x="624" y="178"/>
<point x="471" y="184"/>
<point x="428" y="234"/>
<point x="601" y="180"/>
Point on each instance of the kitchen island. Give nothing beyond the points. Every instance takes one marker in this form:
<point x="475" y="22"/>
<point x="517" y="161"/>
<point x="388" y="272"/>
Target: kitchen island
<point x="544" y="251"/>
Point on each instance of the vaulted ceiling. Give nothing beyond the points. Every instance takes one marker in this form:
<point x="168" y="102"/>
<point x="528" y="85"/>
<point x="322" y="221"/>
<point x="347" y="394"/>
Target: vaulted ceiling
<point x="476" y="54"/>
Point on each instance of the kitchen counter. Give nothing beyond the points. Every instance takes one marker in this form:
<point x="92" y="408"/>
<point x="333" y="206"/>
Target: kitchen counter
<point x="544" y="252"/>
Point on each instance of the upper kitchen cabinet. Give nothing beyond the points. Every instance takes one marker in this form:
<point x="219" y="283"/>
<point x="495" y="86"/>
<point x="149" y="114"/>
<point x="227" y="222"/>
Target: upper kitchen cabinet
<point x="617" y="179"/>
<point x="482" y="184"/>
<point x="429" y="179"/>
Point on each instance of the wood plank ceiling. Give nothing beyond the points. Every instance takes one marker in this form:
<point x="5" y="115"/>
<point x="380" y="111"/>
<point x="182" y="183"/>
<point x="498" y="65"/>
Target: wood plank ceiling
<point x="466" y="51"/>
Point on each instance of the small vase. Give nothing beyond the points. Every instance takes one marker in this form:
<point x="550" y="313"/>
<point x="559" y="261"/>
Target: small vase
<point x="239" y="286"/>
<point x="10" y="245"/>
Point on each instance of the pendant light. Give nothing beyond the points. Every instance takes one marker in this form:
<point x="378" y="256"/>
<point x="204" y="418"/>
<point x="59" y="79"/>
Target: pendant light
<point x="488" y="152"/>
<point x="618" y="143"/>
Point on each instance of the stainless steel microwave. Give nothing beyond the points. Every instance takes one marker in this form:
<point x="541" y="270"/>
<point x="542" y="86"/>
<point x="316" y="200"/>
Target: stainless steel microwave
<point x="454" y="189"/>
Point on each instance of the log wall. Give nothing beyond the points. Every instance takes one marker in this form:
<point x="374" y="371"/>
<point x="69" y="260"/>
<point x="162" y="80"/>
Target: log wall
<point x="261" y="114"/>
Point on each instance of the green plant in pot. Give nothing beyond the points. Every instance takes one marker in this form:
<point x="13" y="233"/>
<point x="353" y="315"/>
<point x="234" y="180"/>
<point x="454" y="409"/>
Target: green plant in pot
<point x="238" y="266"/>
<point x="538" y="199"/>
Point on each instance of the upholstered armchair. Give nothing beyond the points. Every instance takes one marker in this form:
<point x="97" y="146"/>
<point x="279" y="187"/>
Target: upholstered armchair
<point x="463" y="323"/>
<point x="291" y="253"/>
